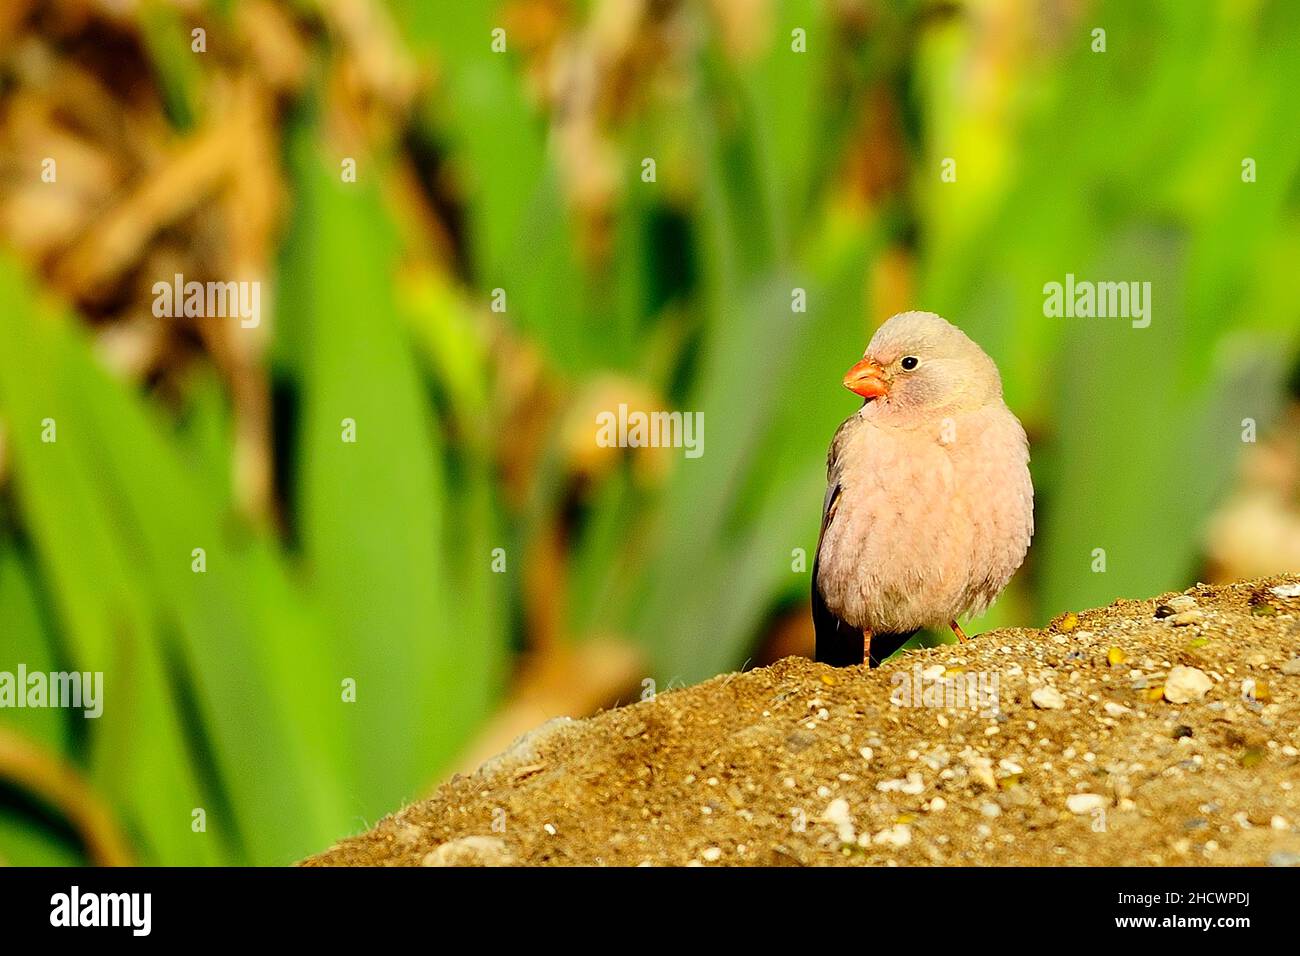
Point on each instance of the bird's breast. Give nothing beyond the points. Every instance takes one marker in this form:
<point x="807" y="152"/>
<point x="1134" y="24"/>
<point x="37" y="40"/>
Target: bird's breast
<point x="932" y="520"/>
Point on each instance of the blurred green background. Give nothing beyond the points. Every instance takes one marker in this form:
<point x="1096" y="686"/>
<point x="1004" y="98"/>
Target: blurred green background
<point x="503" y="268"/>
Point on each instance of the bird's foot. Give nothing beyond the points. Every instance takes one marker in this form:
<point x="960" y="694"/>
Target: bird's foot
<point x="956" y="629"/>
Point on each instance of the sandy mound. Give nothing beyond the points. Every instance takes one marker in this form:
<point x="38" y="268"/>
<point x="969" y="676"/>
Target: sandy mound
<point x="1147" y="732"/>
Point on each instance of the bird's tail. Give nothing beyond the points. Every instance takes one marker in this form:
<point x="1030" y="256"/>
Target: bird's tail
<point x="882" y="645"/>
<point x="837" y="643"/>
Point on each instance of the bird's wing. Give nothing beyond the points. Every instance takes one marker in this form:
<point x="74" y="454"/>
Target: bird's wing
<point x="828" y="509"/>
<point x="837" y="643"/>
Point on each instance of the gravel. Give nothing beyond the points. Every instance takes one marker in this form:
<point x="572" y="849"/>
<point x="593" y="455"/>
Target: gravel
<point x="728" y="772"/>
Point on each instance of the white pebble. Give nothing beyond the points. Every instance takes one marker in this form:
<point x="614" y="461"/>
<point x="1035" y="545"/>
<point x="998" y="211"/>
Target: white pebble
<point x="837" y="814"/>
<point x="1047" y="698"/>
<point x="1084" y="802"/>
<point x="1185" y="684"/>
<point x="913" y="785"/>
<point x="900" y="834"/>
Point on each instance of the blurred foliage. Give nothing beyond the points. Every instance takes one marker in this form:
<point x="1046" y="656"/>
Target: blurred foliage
<point x="521" y="171"/>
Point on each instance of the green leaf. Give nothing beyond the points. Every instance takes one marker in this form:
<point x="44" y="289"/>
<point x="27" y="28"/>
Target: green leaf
<point x="372" y="513"/>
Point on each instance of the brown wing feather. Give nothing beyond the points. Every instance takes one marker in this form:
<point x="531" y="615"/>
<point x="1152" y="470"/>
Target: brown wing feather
<point x="837" y="643"/>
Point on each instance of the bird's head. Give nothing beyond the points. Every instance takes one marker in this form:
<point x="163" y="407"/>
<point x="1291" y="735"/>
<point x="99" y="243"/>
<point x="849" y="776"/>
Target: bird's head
<point x="917" y="360"/>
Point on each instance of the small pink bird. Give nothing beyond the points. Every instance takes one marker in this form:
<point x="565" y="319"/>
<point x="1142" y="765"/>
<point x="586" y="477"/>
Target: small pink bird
<point x="929" y="506"/>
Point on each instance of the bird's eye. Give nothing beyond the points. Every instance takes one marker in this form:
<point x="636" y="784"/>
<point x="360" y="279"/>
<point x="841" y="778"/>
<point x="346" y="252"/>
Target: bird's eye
<point x="910" y="362"/>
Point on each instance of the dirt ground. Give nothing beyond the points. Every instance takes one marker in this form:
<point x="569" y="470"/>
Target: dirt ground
<point x="1061" y="746"/>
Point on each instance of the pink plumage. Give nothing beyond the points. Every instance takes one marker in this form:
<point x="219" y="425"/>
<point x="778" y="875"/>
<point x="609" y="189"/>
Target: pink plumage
<point x="929" y="505"/>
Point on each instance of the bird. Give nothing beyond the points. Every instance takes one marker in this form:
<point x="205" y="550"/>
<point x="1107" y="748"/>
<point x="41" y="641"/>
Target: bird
<point x="929" y="506"/>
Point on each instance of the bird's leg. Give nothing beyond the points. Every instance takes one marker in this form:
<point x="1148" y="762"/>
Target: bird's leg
<point x="866" y="645"/>
<point x="956" y="629"/>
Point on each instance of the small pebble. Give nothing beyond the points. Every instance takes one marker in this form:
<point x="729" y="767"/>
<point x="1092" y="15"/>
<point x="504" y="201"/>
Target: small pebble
<point x="1178" y="604"/>
<point x="837" y="814"/>
<point x="1082" y="803"/>
<point x="1047" y="698"/>
<point x="469" y="851"/>
<point x="913" y="785"/>
<point x="900" y="834"/>
<point x="1186" y="684"/>
<point x="1255" y="690"/>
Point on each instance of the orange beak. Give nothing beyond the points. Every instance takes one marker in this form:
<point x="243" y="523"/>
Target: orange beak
<point x="866" y="379"/>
